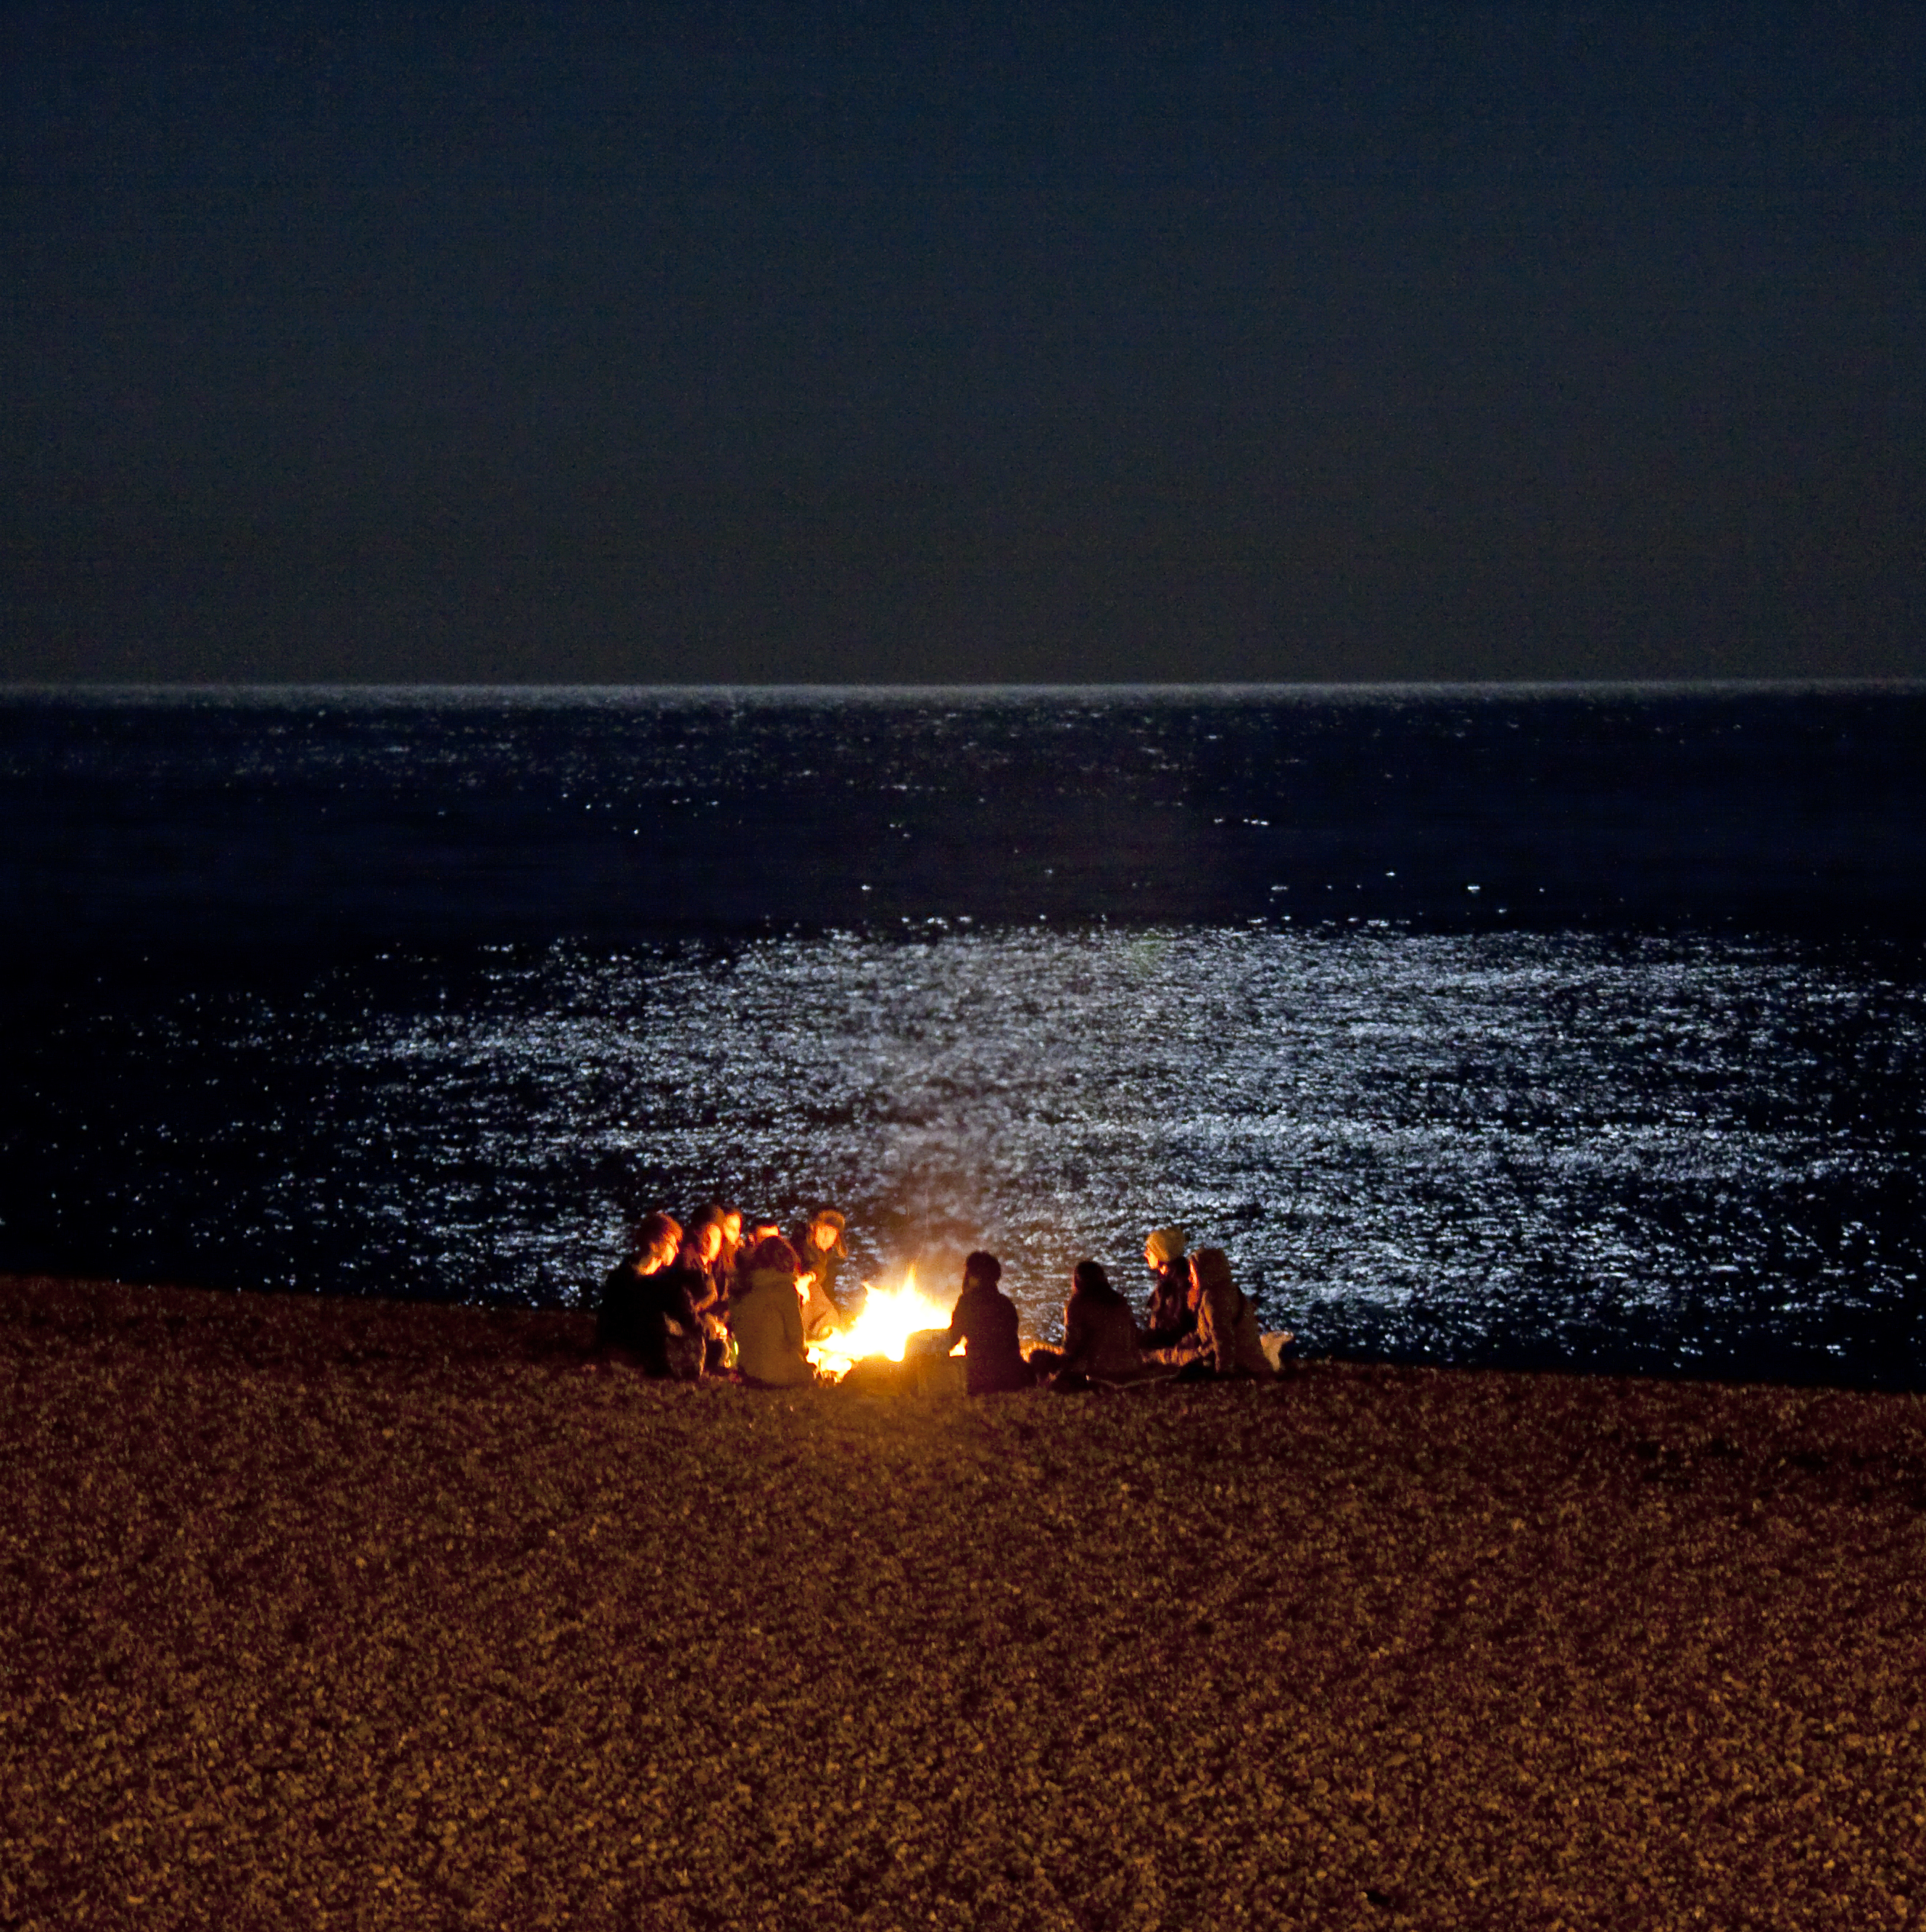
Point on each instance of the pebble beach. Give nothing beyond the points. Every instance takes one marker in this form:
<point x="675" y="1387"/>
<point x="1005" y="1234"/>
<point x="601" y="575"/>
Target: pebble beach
<point x="338" y="1612"/>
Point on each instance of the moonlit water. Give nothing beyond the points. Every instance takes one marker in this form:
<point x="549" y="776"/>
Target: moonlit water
<point x="1431" y="1136"/>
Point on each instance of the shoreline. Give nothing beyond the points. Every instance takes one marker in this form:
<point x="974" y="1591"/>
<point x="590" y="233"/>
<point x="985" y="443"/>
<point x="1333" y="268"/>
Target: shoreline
<point x="332" y="1611"/>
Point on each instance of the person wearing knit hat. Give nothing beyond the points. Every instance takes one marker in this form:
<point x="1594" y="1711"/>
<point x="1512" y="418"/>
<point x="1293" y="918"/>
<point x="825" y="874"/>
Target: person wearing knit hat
<point x="820" y="1253"/>
<point x="1225" y="1340"/>
<point x="1170" y="1316"/>
<point x="1165" y="1244"/>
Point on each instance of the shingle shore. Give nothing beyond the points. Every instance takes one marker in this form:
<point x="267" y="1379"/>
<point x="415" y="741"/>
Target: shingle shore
<point x="335" y="1613"/>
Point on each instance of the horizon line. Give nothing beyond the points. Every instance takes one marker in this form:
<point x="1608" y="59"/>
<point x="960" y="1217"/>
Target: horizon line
<point x="803" y="688"/>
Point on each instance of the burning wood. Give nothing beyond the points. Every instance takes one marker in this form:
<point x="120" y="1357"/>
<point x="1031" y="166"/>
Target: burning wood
<point x="889" y="1317"/>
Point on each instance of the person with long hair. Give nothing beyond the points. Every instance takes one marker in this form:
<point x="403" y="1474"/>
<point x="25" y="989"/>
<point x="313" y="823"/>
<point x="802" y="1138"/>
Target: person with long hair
<point x="1099" y="1332"/>
<point x="700" y="1261"/>
<point x="730" y="1249"/>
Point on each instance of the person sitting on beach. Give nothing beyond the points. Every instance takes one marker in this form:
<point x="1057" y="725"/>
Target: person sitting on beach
<point x="820" y="1253"/>
<point x="730" y="1220"/>
<point x="1171" y="1315"/>
<point x="1099" y="1333"/>
<point x="984" y="1321"/>
<point x="1225" y="1340"/>
<point x="702" y="1242"/>
<point x="646" y="1314"/>
<point x="709" y="1286"/>
<point x="765" y="1317"/>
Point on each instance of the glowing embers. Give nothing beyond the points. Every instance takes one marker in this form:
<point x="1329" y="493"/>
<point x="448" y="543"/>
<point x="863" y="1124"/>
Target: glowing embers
<point x="889" y="1317"/>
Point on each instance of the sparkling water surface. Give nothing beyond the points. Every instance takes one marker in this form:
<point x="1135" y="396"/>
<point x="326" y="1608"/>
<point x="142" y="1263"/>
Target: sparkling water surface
<point x="1428" y="1128"/>
<point x="1666" y="1155"/>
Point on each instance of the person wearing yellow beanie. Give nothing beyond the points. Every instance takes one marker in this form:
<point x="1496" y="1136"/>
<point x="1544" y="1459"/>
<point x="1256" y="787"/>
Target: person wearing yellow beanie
<point x="1226" y="1341"/>
<point x="1170" y="1316"/>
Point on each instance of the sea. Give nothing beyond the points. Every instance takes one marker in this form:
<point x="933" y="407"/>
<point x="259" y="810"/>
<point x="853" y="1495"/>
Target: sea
<point x="1566" y="1027"/>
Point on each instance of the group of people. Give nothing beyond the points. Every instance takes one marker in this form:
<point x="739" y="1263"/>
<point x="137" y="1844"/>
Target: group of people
<point x="1198" y="1324"/>
<point x="722" y="1294"/>
<point x="721" y="1297"/>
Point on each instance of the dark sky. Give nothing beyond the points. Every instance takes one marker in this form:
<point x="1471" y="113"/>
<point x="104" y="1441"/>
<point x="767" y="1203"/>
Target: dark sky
<point x="916" y="343"/>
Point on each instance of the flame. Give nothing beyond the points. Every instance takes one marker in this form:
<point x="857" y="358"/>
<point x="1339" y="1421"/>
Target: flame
<point x="890" y="1316"/>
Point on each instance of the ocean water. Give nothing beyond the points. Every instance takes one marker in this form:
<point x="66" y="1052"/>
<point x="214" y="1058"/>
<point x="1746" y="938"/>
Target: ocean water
<point x="1571" y="1027"/>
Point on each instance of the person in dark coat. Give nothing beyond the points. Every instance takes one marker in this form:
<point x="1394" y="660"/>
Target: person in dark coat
<point x="1099" y="1333"/>
<point x="702" y="1245"/>
<point x="643" y="1297"/>
<point x="1171" y="1315"/>
<point x="984" y="1320"/>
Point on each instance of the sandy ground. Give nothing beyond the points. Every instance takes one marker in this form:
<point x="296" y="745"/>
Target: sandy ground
<point x="335" y="1613"/>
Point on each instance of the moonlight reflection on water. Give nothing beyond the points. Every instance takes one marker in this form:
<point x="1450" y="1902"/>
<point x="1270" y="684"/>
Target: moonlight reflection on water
<point x="1686" y="1154"/>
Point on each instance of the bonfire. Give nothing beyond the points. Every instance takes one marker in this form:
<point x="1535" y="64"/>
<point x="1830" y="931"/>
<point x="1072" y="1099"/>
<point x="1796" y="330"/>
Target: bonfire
<point x="890" y="1316"/>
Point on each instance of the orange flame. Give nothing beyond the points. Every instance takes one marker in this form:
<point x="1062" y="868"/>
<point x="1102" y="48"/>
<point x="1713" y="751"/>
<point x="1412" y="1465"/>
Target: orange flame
<point x="890" y="1317"/>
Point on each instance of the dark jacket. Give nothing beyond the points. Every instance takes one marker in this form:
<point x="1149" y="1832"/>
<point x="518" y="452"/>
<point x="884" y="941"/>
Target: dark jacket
<point x="984" y="1321"/>
<point x="1100" y="1335"/>
<point x="1170" y="1316"/>
<point x="703" y="1283"/>
<point x="636" y="1309"/>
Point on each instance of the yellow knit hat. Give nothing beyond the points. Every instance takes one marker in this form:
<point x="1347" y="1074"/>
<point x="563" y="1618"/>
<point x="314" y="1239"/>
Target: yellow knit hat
<point x="1166" y="1244"/>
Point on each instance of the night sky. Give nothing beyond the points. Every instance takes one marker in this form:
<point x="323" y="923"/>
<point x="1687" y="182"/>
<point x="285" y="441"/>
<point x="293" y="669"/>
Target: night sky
<point x="907" y="344"/>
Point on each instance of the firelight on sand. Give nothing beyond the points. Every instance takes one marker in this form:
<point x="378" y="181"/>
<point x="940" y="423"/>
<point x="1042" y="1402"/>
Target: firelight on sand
<point x="890" y="1317"/>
